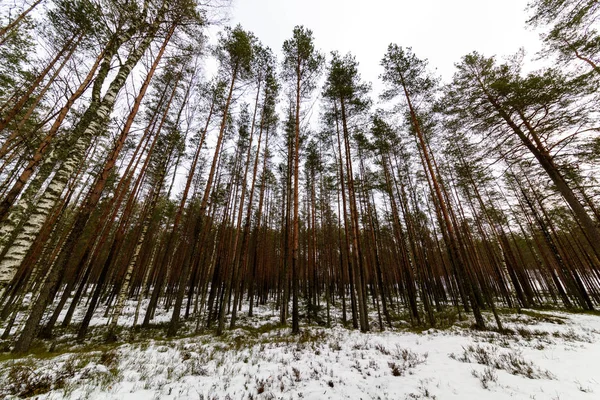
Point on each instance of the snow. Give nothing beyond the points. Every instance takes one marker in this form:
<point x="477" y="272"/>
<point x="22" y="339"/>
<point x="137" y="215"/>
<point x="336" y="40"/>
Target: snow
<point x="547" y="355"/>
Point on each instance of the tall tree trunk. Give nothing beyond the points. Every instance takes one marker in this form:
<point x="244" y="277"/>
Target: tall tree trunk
<point x="296" y="216"/>
<point x="452" y="245"/>
<point x="5" y="30"/>
<point x="44" y="146"/>
<point x="90" y="126"/>
<point x="12" y="113"/>
<point x="537" y="148"/>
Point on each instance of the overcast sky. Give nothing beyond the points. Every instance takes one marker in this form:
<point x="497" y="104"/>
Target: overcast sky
<point x="440" y="30"/>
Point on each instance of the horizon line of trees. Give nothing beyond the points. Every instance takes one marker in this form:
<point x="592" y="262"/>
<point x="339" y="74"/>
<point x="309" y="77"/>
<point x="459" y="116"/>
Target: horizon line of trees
<point x="127" y="176"/>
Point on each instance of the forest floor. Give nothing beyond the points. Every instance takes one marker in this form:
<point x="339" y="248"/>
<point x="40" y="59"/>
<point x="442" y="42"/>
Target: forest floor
<point x="540" y="355"/>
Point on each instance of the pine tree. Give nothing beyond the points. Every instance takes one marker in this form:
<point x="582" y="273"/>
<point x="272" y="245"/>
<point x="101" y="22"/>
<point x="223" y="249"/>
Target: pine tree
<point x="491" y="96"/>
<point x="345" y="89"/>
<point x="573" y="34"/>
<point x="302" y="65"/>
<point x="407" y="76"/>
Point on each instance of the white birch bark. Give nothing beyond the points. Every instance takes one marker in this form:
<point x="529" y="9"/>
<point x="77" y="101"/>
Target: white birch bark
<point x="20" y="210"/>
<point x="144" y="283"/>
<point x="118" y="308"/>
<point x="25" y="238"/>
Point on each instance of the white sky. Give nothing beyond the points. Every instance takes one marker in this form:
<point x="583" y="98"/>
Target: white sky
<point x="440" y="30"/>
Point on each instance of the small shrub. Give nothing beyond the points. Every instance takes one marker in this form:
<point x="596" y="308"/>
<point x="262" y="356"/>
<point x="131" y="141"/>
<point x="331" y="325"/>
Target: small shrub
<point x="110" y="359"/>
<point x="584" y="389"/>
<point x="260" y="386"/>
<point x="194" y="367"/>
<point x="335" y="345"/>
<point x="511" y="362"/>
<point x="486" y="377"/>
<point x="296" y="372"/>
<point x="23" y="381"/>
<point x="407" y="360"/>
<point x="382" y="349"/>
<point x="396" y="369"/>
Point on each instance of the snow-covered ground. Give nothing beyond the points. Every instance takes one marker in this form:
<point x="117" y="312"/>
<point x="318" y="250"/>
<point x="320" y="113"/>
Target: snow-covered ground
<point x="547" y="355"/>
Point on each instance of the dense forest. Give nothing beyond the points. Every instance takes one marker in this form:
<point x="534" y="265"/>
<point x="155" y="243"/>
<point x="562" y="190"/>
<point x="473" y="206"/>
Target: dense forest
<point x="130" y="175"/>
